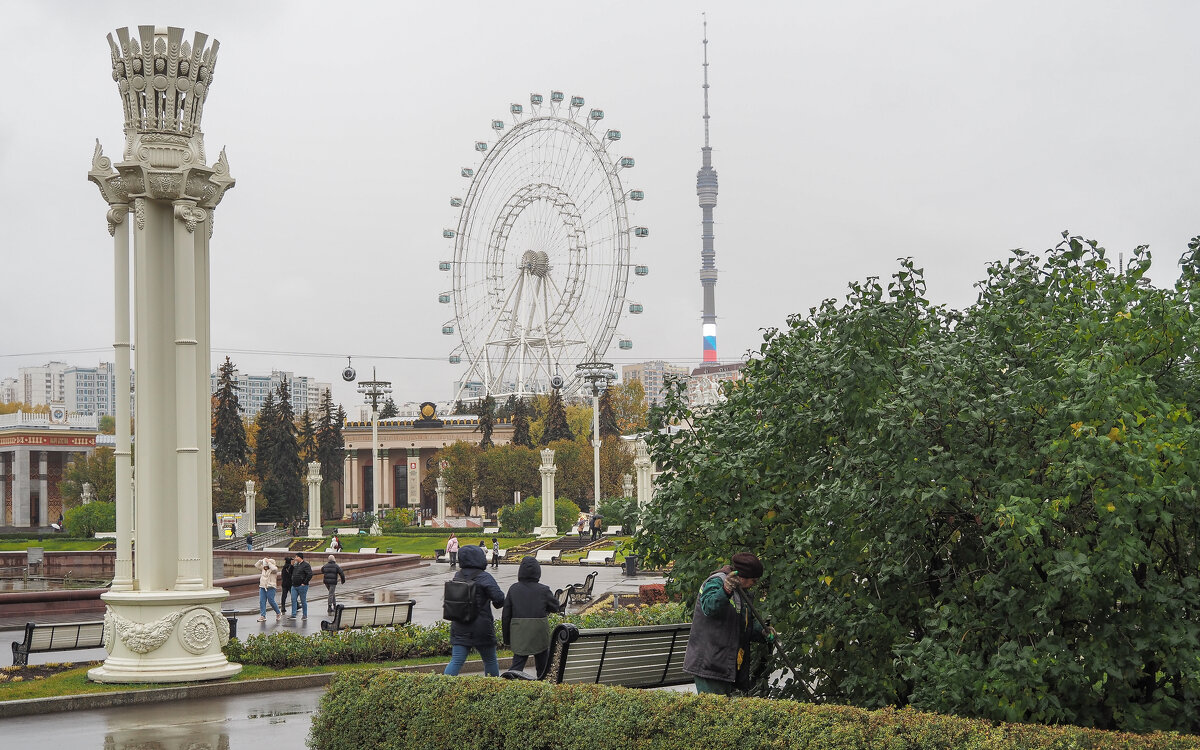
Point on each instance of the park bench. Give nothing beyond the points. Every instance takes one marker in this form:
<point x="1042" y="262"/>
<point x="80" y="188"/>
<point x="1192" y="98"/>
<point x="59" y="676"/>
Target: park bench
<point x="561" y="596"/>
<point x="281" y="550"/>
<point x="598" y="557"/>
<point x="548" y="555"/>
<point x="582" y="592"/>
<point x="439" y="555"/>
<point x="613" y="530"/>
<point x="369" y="550"/>
<point x="70" y="636"/>
<point x="647" y="656"/>
<point x="491" y="529"/>
<point x="370" y="615"/>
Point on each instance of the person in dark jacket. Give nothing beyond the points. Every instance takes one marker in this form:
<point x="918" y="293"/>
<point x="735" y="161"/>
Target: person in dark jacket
<point x="331" y="572"/>
<point x="718" y="649"/>
<point x="285" y="580"/>
<point x="480" y="633"/>
<point x="523" y="622"/>
<point x="301" y="575"/>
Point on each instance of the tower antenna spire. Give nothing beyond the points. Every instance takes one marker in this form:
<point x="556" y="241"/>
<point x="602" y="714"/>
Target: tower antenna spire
<point x="706" y="191"/>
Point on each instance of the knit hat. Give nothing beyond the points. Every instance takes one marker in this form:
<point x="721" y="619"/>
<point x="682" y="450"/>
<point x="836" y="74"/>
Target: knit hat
<point x="747" y="565"/>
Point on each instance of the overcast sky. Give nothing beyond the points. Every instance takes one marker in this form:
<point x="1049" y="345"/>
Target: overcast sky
<point x="845" y="135"/>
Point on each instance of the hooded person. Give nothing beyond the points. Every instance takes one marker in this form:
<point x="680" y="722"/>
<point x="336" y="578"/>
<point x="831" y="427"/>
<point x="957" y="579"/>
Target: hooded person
<point x="523" y="622"/>
<point x="718" y="649"/>
<point x="479" y="633"/>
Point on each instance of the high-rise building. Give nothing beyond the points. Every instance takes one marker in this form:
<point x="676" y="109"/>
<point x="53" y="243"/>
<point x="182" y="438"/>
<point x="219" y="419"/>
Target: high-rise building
<point x="253" y="389"/>
<point x="706" y="190"/>
<point x="653" y="377"/>
<point x="42" y="385"/>
<point x="91" y="390"/>
<point x="9" y="390"/>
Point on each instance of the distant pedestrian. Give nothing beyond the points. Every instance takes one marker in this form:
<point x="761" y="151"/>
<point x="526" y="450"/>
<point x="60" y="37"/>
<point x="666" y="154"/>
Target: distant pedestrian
<point x="496" y="554"/>
<point x="480" y="632"/>
<point x="285" y="580"/>
<point x="597" y="525"/>
<point x="301" y="575"/>
<point x="331" y="572"/>
<point x="452" y="550"/>
<point x="266" y="588"/>
<point x="249" y="541"/>
<point x="335" y="544"/>
<point x="524" y="623"/>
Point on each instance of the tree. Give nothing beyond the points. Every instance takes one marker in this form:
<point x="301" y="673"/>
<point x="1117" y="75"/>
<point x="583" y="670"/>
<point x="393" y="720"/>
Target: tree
<point x="284" y="484"/>
<point x="460" y="407"/>
<point x="98" y="468"/>
<point x="264" y="434"/>
<point x="486" y="411"/>
<point x="629" y="407"/>
<point x="307" y="436"/>
<point x="461" y="474"/>
<point x="608" y="417"/>
<point x="508" y="409"/>
<point x="503" y="470"/>
<point x="86" y="520"/>
<point x="988" y="513"/>
<point x="330" y="449"/>
<point x="556" y="421"/>
<point x="389" y="409"/>
<point x="520" y="434"/>
<point x="573" y="479"/>
<point x="229" y="433"/>
<point x="108" y="424"/>
<point x="229" y="488"/>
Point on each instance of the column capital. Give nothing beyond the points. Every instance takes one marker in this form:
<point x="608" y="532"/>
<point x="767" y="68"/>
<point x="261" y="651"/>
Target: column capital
<point x="187" y="212"/>
<point x="116" y="216"/>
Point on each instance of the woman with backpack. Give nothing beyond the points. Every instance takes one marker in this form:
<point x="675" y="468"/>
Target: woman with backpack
<point x="472" y="625"/>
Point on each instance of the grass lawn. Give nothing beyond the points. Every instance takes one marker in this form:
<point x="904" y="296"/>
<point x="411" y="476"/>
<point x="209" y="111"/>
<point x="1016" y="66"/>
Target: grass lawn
<point x="51" y="544"/>
<point x="417" y="544"/>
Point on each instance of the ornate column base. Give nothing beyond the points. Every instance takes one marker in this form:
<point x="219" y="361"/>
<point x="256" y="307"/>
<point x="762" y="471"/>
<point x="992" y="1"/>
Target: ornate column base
<point x="545" y="531"/>
<point x="314" y="532"/>
<point x="164" y="636"/>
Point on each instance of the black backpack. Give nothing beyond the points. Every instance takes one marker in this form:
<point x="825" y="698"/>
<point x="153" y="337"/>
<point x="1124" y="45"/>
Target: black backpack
<point x="458" y="602"/>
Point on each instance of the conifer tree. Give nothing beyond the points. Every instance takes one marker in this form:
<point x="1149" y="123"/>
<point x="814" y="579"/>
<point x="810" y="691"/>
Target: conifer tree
<point x="265" y="434"/>
<point x="229" y="434"/>
<point x="283" y="485"/>
<point x="487" y="409"/>
<point x="556" y="420"/>
<point x="389" y="409"/>
<point x="308" y="439"/>
<point x="330" y="447"/>
<point x="608" y="417"/>
<point x="521" y="424"/>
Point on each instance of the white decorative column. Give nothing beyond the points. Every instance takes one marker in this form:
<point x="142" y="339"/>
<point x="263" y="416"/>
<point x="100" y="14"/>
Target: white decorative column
<point x="645" y="480"/>
<point x="348" y="469"/>
<point x="441" y="500"/>
<point x="166" y="625"/>
<point x="22" y="503"/>
<point x="43" y="488"/>
<point x="547" y="469"/>
<point x="387" y="495"/>
<point x="250" y="495"/>
<point x="626" y="486"/>
<point x="118" y="227"/>
<point x="314" y="500"/>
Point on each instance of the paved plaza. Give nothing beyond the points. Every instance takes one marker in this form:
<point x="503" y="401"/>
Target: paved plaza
<point x="280" y="718"/>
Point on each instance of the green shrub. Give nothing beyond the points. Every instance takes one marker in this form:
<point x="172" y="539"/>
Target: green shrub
<point x="397" y="520"/>
<point x="382" y="709"/>
<point x="522" y="519"/>
<point x="86" y="520"/>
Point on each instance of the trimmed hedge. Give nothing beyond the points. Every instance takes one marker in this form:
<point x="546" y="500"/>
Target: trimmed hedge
<point x="383" y="709"/>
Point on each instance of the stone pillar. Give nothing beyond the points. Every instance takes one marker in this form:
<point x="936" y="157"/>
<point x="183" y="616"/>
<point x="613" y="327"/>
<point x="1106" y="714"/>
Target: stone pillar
<point x="251" y="519"/>
<point x="353" y="484"/>
<point x="387" y="493"/>
<point x="5" y="488"/>
<point x="414" y="478"/>
<point x="547" y="469"/>
<point x="645" y="480"/>
<point x="626" y="486"/>
<point x="167" y="626"/>
<point x="314" y="500"/>
<point x="441" y="496"/>
<point x="22" y="503"/>
<point x="43" y="477"/>
<point x="347" y="483"/>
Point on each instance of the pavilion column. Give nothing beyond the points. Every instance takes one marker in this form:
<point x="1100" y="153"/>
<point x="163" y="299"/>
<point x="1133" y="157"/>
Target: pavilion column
<point x="353" y="485"/>
<point x="441" y="501"/>
<point x="347" y="498"/>
<point x="6" y="488"/>
<point x="22" y="503"/>
<point x="413" y="477"/>
<point x="314" y="500"/>
<point x="187" y="219"/>
<point x="645" y="478"/>
<point x="43" y="488"/>
<point x="249" y="494"/>
<point x="547" y="469"/>
<point x="387" y="498"/>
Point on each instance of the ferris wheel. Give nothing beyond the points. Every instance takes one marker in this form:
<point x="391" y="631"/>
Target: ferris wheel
<point x="541" y="259"/>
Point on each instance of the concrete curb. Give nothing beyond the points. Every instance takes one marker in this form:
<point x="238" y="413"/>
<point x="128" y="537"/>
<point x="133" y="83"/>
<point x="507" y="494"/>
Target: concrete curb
<point x="89" y="701"/>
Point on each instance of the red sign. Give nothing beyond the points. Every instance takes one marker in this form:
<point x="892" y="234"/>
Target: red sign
<point x="74" y="441"/>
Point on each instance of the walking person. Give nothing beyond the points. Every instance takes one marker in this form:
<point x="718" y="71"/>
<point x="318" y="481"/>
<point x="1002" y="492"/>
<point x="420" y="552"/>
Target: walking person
<point x="496" y="554"/>
<point x="301" y="575"/>
<point x="330" y="573"/>
<point x="335" y="544"/>
<point x="266" y="587"/>
<point x="478" y="633"/>
<point x="597" y="522"/>
<point x="285" y="580"/>
<point x="452" y="550"/>
<point x="718" y="649"/>
<point x="523" y="622"/>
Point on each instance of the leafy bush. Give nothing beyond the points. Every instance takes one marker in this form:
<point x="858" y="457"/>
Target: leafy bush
<point x="86" y="520"/>
<point x="522" y="519"/>
<point x="385" y="710"/>
<point x="398" y="520"/>
<point x="620" y="511"/>
<point x="652" y="593"/>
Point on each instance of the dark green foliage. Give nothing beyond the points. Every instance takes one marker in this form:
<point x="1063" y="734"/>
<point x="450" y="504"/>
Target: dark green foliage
<point x="524" y="518"/>
<point x="620" y="511"/>
<point x="283" y="484"/>
<point x="389" y="710"/>
<point x="460" y="407"/>
<point x="389" y="409"/>
<point x="556" y="420"/>
<point x="264" y="421"/>
<point x="307" y="436"/>
<point x="508" y="408"/>
<point x="98" y="468"/>
<point x="520" y="419"/>
<point x="503" y="470"/>
<point x="85" y="520"/>
<point x="487" y="420"/>
<point x="229" y="433"/>
<point x="608" y="417"/>
<point x="989" y="513"/>
<point x="330" y="447"/>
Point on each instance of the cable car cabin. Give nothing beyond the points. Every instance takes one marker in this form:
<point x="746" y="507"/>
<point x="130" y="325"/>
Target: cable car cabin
<point x="455" y="359"/>
<point x="535" y="99"/>
<point x="480" y="146"/>
<point x="641" y="232"/>
<point x="613" y="135"/>
<point x="625" y="344"/>
<point x="576" y="101"/>
<point x="636" y="195"/>
<point x="635" y="308"/>
<point x="456" y="202"/>
<point x="641" y="270"/>
<point x="497" y="124"/>
<point x="448" y="330"/>
<point x="556" y="96"/>
<point x="596" y="114"/>
<point x="626" y="161"/>
<point x="444" y="298"/>
<point x="448" y="233"/>
<point x="444" y="265"/>
<point x="468" y="172"/>
<point x="516" y="109"/>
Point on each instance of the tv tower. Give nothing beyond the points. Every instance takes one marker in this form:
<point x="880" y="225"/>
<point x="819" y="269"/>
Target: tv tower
<point x="706" y="189"/>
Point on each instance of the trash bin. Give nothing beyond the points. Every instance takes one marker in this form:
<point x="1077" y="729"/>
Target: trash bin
<point x="631" y="565"/>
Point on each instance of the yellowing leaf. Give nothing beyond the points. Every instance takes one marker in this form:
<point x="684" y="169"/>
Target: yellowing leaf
<point x="1110" y="507"/>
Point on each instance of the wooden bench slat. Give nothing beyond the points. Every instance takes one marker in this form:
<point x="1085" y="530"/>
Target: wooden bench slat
<point x="649" y="656"/>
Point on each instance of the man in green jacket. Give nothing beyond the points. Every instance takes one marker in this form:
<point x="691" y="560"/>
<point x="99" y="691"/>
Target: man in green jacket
<point x="718" y="649"/>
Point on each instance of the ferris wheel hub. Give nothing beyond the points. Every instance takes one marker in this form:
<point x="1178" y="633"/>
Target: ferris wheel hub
<point x="535" y="263"/>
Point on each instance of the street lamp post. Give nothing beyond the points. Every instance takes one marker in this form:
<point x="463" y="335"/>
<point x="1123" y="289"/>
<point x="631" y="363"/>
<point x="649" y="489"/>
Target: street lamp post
<point x="373" y="390"/>
<point x="598" y="374"/>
